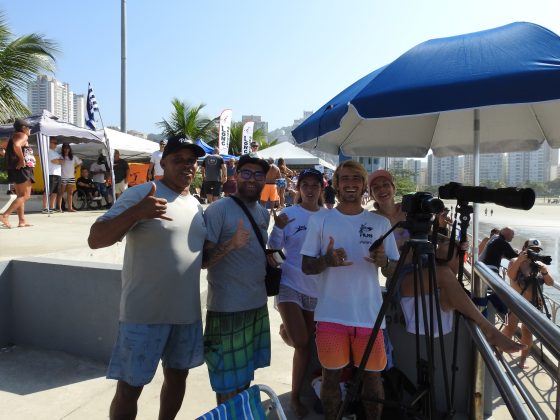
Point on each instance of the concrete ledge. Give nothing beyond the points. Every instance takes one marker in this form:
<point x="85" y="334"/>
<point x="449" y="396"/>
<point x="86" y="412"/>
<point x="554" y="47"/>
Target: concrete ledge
<point x="69" y="307"/>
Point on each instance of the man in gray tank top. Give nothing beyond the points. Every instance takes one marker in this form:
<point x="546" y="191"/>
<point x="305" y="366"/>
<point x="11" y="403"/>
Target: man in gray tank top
<point x="160" y="317"/>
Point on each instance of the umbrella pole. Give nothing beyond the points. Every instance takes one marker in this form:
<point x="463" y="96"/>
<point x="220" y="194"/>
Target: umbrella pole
<point x="478" y="289"/>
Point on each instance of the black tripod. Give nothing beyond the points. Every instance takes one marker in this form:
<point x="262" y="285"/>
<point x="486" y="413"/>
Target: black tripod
<point x="536" y="284"/>
<point x="423" y="402"/>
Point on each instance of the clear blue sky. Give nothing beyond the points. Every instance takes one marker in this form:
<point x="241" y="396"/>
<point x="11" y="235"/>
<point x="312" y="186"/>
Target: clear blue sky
<point x="273" y="59"/>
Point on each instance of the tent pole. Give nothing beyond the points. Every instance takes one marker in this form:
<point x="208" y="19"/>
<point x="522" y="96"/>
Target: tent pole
<point x="43" y="146"/>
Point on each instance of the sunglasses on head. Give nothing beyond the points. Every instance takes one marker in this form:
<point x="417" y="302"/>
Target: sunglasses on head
<point x="248" y="174"/>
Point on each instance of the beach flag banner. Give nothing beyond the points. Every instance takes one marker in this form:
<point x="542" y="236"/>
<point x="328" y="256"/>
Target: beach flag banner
<point x="247" y="137"/>
<point x="91" y="107"/>
<point x="224" y="134"/>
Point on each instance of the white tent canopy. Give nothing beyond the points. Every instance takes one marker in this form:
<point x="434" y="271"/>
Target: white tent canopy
<point x="129" y="147"/>
<point x="46" y="125"/>
<point x="293" y="155"/>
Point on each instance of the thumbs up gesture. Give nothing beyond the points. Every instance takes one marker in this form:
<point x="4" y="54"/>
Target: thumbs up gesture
<point x="152" y="207"/>
<point x="241" y="236"/>
<point x="280" y="221"/>
<point x="336" y="257"/>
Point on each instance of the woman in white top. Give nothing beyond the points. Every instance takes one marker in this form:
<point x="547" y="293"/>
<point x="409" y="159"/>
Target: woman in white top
<point x="298" y="292"/>
<point x="67" y="177"/>
<point x="451" y="294"/>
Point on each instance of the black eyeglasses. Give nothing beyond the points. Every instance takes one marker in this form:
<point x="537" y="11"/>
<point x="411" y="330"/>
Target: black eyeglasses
<point x="247" y="174"/>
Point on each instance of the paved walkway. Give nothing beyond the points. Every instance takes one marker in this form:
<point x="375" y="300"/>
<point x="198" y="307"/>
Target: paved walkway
<point x="38" y="384"/>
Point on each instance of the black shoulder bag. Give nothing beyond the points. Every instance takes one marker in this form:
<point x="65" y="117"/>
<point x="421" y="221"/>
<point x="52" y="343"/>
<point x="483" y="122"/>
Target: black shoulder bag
<point x="273" y="274"/>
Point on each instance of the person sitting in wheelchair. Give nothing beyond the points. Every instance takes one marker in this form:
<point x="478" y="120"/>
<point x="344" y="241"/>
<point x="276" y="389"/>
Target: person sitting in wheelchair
<point x="85" y="184"/>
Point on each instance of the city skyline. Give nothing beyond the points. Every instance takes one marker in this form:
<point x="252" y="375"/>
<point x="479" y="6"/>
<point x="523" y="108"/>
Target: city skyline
<point x="302" y="54"/>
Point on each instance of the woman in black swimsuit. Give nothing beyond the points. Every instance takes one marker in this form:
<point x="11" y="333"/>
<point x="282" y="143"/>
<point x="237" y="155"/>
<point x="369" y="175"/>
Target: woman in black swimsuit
<point x="20" y="162"/>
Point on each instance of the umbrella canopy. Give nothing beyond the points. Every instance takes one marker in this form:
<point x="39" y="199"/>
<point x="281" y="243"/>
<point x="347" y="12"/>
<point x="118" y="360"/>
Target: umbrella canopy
<point x="426" y="98"/>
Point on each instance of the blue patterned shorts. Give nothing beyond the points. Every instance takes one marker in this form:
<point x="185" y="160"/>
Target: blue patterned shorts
<point x="140" y="347"/>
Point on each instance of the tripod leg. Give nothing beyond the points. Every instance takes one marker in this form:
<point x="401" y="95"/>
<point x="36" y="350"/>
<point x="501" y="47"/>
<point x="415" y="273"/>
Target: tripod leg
<point x="394" y="286"/>
<point x="435" y="293"/>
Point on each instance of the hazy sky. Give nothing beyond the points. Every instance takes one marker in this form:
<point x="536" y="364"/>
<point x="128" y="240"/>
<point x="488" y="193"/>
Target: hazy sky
<point x="273" y="59"/>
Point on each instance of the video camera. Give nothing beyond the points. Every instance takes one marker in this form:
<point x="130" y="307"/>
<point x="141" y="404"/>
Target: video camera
<point x="513" y="198"/>
<point x="421" y="203"/>
<point x="535" y="256"/>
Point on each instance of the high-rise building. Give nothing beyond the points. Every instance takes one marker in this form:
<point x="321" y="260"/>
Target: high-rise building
<point x="491" y="168"/>
<point x="259" y="124"/>
<point x="530" y="166"/>
<point x="56" y="97"/>
<point x="442" y="170"/>
<point x="79" y="110"/>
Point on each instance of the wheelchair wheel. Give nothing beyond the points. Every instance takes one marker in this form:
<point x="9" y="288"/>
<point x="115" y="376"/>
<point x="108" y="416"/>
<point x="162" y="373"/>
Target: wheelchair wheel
<point x="95" y="204"/>
<point x="79" y="200"/>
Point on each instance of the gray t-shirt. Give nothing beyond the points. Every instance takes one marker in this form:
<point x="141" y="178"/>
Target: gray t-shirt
<point x="213" y="167"/>
<point x="236" y="282"/>
<point x="162" y="260"/>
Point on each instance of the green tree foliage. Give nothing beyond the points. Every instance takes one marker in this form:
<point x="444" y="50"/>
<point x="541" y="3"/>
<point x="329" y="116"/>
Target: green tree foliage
<point x="236" y="136"/>
<point x="189" y="121"/>
<point x="404" y="181"/>
<point x="554" y="187"/>
<point x="22" y="59"/>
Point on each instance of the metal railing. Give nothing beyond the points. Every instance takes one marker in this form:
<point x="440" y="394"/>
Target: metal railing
<point x="546" y="331"/>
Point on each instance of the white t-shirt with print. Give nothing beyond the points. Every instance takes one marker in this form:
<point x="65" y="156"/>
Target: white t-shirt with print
<point x="290" y="239"/>
<point x="349" y="295"/>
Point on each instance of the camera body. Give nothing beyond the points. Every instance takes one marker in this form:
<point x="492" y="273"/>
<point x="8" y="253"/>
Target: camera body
<point x="421" y="203"/>
<point x="535" y="256"/>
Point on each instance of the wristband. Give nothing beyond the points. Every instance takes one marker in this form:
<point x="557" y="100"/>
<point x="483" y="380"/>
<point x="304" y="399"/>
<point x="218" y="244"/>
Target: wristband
<point x="545" y="274"/>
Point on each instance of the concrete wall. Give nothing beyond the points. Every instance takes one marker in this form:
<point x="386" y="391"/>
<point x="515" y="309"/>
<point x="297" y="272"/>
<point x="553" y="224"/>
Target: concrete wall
<point x="61" y="306"/>
<point x="5" y="303"/>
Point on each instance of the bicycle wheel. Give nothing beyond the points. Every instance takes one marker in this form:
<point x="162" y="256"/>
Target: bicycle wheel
<point x="79" y="200"/>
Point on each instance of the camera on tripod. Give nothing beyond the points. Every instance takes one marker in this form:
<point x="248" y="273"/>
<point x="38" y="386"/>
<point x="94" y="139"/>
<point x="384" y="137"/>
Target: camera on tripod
<point x="513" y="198"/>
<point x="535" y="256"/>
<point x="421" y="203"/>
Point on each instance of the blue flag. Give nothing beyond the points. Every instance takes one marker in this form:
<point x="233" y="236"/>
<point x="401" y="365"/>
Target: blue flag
<point x="91" y="107"/>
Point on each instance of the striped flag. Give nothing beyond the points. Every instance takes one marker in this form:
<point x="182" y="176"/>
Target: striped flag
<point x="91" y="107"/>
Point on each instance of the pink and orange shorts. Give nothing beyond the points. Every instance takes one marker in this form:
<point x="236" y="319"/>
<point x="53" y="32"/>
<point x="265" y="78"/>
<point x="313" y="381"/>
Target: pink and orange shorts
<point x="338" y="345"/>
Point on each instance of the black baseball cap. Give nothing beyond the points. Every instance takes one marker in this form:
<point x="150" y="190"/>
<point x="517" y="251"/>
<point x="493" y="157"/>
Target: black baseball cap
<point x="252" y="158"/>
<point x="311" y="172"/>
<point x="176" y="143"/>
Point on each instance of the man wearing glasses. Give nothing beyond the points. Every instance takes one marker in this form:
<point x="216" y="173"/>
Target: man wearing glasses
<point x="237" y="331"/>
<point x="160" y="315"/>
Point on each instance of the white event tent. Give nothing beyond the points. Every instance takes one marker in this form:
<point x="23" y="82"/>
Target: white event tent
<point x="130" y="147"/>
<point x="293" y="155"/>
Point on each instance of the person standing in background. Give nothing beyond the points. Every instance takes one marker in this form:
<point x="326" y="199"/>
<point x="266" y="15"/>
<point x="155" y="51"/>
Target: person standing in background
<point x="155" y="171"/>
<point x="55" y="171"/>
<point x="214" y="173"/>
<point x="121" y="170"/>
<point x="68" y="177"/>
<point x="99" y="170"/>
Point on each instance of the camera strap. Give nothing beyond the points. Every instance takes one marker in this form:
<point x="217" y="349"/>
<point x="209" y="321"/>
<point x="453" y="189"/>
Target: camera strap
<point x="252" y="220"/>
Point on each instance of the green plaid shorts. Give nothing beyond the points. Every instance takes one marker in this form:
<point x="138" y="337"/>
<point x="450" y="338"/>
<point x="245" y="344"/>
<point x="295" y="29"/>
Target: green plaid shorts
<point x="235" y="345"/>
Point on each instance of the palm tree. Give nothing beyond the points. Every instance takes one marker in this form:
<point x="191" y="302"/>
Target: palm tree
<point x="21" y="60"/>
<point x="236" y="136"/>
<point x="187" y="120"/>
